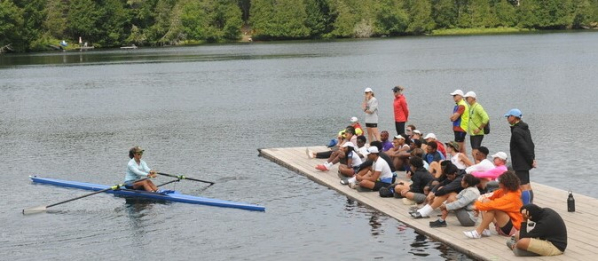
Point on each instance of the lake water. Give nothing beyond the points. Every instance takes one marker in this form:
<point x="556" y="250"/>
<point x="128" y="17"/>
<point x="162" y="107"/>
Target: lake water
<point x="204" y="111"/>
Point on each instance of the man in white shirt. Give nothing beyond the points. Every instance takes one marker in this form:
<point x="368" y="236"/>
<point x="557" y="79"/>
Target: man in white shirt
<point x="484" y="165"/>
<point x="379" y="175"/>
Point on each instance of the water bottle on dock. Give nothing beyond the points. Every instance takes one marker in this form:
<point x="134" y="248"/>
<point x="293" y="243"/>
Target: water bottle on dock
<point x="570" y="203"/>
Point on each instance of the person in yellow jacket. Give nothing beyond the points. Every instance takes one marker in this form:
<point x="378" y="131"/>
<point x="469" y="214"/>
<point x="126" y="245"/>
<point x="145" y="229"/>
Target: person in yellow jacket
<point x="502" y="208"/>
<point x="478" y="119"/>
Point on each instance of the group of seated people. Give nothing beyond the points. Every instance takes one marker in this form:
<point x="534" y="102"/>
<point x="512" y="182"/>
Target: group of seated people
<point x="478" y="191"/>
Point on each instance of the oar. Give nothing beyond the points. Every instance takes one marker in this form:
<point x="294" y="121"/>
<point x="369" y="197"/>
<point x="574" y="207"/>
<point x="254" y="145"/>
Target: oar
<point x="183" y="177"/>
<point x="40" y="209"/>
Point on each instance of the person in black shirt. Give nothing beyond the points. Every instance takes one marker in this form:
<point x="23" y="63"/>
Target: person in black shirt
<point x="543" y="232"/>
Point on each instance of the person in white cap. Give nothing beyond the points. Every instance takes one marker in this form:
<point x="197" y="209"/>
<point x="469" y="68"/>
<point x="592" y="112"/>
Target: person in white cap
<point x="460" y="119"/>
<point x="350" y="166"/>
<point x="478" y="120"/>
<point x="500" y="163"/>
<point x="357" y="126"/>
<point x="401" y="109"/>
<point x="370" y="107"/>
<point x="431" y="137"/>
<point x="523" y="156"/>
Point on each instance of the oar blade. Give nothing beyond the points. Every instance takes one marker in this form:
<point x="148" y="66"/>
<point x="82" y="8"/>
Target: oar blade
<point x="34" y="210"/>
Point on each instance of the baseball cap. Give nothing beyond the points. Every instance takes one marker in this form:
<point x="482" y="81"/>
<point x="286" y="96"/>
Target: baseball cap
<point x="373" y="149"/>
<point x="368" y="90"/>
<point x="417" y="131"/>
<point x="470" y="94"/>
<point x="453" y="144"/>
<point x="500" y="155"/>
<point x="457" y="92"/>
<point x="354" y="119"/>
<point x="348" y="144"/>
<point x="399" y="137"/>
<point x="430" y="135"/>
<point x="514" y="112"/>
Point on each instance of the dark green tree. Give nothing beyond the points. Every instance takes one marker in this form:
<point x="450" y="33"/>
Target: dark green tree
<point x="391" y="18"/>
<point x="11" y="27"/>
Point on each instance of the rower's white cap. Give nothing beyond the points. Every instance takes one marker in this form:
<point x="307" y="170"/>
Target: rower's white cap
<point x="457" y="92"/>
<point x="470" y="94"/>
<point x="373" y="149"/>
<point x="430" y="135"/>
<point x="501" y="155"/>
<point x="354" y="119"/>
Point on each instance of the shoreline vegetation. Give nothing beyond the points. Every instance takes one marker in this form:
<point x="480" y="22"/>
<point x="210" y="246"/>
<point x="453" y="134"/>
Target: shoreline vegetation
<point x="43" y="25"/>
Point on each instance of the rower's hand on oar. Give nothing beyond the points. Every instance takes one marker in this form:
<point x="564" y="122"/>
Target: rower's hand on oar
<point x="153" y="174"/>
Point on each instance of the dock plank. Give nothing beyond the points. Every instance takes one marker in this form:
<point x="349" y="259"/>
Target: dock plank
<point x="582" y="225"/>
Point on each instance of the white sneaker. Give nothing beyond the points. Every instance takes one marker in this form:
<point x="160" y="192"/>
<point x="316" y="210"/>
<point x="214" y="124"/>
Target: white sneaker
<point x="327" y="165"/>
<point x="310" y="155"/>
<point x="486" y="233"/>
<point x="472" y="234"/>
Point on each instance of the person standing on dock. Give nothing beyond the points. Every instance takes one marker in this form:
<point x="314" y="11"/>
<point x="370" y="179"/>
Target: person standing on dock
<point x="401" y="109"/>
<point x="138" y="169"/>
<point x="370" y="107"/>
<point x="478" y="119"/>
<point x="460" y="119"/>
<point x="522" y="149"/>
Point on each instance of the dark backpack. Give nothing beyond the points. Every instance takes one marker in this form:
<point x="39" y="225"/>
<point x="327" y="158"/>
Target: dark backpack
<point x="487" y="128"/>
<point x="386" y="192"/>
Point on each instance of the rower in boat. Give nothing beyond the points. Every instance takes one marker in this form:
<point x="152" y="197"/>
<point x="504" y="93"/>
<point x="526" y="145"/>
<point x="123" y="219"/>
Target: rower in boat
<point x="138" y="169"/>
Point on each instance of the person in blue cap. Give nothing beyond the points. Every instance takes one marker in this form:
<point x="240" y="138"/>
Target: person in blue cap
<point x="523" y="156"/>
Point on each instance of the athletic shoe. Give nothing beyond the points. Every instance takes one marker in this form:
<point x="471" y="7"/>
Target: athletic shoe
<point x="511" y="242"/>
<point x="310" y="155"/>
<point x="344" y="182"/>
<point x="472" y="234"/>
<point x="412" y="210"/>
<point x="418" y="215"/>
<point x="408" y="202"/>
<point x="438" y="223"/>
<point x="353" y="185"/>
<point x="486" y="233"/>
<point x="321" y="167"/>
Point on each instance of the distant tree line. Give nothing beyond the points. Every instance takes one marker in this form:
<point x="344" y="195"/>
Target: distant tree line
<point x="36" y="24"/>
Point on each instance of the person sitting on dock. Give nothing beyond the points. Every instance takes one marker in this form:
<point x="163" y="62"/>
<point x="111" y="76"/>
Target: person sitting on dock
<point x="138" y="169"/>
<point x="484" y="164"/>
<point x="351" y="160"/>
<point x="450" y="186"/>
<point x="433" y="157"/>
<point x="500" y="161"/>
<point x="366" y="164"/>
<point x="419" y="176"/>
<point x="400" y="152"/>
<point x="462" y="204"/>
<point x="355" y="124"/>
<point x="386" y="144"/>
<point x="502" y="208"/>
<point x="379" y="175"/>
<point x="431" y="137"/>
<point x="543" y="233"/>
<point x="361" y="149"/>
<point x="458" y="159"/>
<point x="336" y="156"/>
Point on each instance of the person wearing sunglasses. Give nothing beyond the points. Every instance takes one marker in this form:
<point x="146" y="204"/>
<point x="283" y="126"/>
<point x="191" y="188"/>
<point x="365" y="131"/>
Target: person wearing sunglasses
<point x="137" y="169"/>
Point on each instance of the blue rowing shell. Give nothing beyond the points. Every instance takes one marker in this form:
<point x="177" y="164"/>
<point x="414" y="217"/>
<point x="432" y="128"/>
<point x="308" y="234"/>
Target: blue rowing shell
<point x="175" y="196"/>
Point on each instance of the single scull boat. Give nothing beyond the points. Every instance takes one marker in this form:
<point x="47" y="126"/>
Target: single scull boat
<point x="170" y="195"/>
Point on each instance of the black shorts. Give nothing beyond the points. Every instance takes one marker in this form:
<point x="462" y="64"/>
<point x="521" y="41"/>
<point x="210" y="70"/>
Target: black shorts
<point x="371" y="125"/>
<point x="379" y="184"/>
<point x="506" y="229"/>
<point x="523" y="176"/>
<point x="460" y="136"/>
<point x="476" y="141"/>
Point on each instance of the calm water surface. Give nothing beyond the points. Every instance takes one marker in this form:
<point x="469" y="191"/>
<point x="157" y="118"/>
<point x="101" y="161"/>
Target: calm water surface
<point x="204" y="111"/>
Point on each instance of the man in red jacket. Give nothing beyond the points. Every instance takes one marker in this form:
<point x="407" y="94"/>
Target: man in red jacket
<point x="401" y="109"/>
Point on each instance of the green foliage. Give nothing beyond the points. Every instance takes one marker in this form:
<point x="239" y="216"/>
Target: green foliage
<point x="35" y="24"/>
<point x="10" y="27"/>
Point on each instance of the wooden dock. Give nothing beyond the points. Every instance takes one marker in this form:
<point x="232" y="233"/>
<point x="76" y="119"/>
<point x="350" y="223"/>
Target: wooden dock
<point x="582" y="225"/>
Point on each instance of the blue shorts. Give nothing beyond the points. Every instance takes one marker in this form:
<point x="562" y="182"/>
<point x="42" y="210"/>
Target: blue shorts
<point x="460" y="136"/>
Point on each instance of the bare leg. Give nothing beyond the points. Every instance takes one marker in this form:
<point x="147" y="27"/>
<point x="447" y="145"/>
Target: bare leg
<point x="376" y="133"/>
<point x="146" y="185"/>
<point x="473" y="153"/>
<point x="435" y="169"/>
